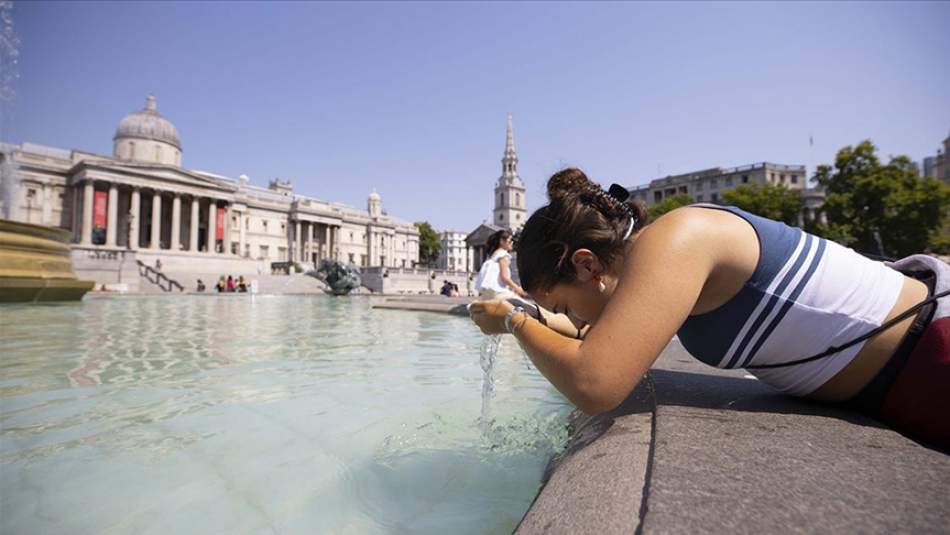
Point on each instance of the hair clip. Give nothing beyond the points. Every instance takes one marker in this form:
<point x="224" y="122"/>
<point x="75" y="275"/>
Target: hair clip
<point x="618" y="192"/>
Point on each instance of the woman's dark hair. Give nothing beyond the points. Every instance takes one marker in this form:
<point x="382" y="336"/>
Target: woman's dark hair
<point x="494" y="241"/>
<point x="579" y="215"/>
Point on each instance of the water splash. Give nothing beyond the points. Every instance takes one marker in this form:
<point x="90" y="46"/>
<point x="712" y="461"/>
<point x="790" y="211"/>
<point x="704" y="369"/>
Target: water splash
<point x="489" y="352"/>
<point x="9" y="73"/>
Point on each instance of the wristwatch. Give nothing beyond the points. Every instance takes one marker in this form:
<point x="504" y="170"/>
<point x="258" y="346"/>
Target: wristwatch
<point x="511" y="314"/>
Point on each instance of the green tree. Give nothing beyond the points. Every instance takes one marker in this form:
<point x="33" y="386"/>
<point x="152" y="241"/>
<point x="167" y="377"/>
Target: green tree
<point x="429" y="243"/>
<point x="774" y="202"/>
<point x="668" y="204"/>
<point x="878" y="208"/>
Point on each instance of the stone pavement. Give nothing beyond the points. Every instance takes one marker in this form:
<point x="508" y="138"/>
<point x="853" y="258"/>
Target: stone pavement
<point x="698" y="449"/>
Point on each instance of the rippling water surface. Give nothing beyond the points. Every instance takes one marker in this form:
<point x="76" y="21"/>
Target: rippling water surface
<point x="263" y="414"/>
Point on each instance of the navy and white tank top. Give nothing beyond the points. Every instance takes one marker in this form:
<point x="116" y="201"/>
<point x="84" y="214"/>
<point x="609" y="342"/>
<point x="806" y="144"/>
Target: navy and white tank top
<point x="805" y="295"/>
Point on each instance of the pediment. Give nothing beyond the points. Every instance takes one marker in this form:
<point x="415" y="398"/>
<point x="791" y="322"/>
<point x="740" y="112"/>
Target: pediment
<point x="480" y="235"/>
<point x="156" y="173"/>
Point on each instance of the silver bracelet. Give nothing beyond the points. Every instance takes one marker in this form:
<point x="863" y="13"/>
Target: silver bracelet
<point x="511" y="313"/>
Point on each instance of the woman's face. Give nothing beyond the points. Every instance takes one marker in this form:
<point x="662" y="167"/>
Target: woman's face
<point x="582" y="302"/>
<point x="507" y="243"/>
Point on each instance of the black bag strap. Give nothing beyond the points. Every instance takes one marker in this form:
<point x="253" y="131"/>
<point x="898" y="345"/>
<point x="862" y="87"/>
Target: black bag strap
<point x="835" y="349"/>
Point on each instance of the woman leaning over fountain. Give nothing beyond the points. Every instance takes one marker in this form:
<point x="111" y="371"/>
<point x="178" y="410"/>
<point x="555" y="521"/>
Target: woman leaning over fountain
<point x="805" y="315"/>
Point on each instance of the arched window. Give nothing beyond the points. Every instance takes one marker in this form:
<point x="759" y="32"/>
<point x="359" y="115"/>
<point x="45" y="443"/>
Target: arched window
<point x="517" y="199"/>
<point x="131" y="150"/>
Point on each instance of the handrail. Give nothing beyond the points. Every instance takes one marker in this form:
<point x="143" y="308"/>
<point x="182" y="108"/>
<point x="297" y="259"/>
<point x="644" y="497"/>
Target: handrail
<point x="157" y="277"/>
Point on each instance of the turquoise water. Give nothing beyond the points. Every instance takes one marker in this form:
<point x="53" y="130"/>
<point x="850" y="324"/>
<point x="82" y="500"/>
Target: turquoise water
<point x="263" y="414"/>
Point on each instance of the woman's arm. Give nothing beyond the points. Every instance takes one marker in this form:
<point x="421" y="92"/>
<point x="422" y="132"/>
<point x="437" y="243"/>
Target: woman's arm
<point x="505" y="275"/>
<point x="658" y="286"/>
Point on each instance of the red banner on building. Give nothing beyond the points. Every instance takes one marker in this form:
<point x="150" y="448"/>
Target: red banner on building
<point x="219" y="224"/>
<point x="100" y="206"/>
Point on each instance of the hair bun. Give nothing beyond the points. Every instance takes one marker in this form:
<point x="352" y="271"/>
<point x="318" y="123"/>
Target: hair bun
<point x="566" y="183"/>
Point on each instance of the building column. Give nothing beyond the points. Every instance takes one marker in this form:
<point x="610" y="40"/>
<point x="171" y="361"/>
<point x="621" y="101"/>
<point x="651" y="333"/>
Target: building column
<point x="193" y="226"/>
<point x="309" y="248"/>
<point x="112" y="212"/>
<point x="298" y="242"/>
<point x="156" y="239"/>
<point x="242" y="233"/>
<point x="134" y="211"/>
<point x="87" y="198"/>
<point x="48" y="205"/>
<point x="212" y="214"/>
<point x="226" y="241"/>
<point x="335" y="244"/>
<point x="176" y="222"/>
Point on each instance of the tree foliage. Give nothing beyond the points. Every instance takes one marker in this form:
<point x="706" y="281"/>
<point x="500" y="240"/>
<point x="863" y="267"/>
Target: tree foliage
<point x="429" y="243"/>
<point x="767" y="200"/>
<point x="881" y="209"/>
<point x="668" y="204"/>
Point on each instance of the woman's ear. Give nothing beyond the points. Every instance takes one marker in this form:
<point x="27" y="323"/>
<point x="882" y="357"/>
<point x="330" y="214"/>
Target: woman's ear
<point x="586" y="265"/>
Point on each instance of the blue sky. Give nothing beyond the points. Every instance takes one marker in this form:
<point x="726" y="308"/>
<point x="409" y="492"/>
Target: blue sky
<point x="410" y="98"/>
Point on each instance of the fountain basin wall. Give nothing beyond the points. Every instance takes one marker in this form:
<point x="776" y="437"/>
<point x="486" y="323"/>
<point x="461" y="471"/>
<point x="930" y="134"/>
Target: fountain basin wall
<point x="35" y="264"/>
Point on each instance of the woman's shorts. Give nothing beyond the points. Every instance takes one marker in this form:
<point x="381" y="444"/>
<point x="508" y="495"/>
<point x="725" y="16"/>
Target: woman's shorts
<point x="911" y="393"/>
<point x="918" y="402"/>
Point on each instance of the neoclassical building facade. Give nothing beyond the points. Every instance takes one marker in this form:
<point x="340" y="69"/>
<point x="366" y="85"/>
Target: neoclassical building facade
<point x="141" y="200"/>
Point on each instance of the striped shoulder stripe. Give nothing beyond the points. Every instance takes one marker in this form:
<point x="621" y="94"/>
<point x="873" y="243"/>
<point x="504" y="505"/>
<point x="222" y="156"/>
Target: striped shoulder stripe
<point x="781" y="280"/>
<point x="790" y="300"/>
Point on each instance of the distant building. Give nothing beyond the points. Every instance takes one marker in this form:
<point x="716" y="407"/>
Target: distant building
<point x="942" y="162"/>
<point x="141" y="204"/>
<point x="929" y="167"/>
<point x="708" y="185"/>
<point x="455" y="254"/>
<point x="509" y="210"/>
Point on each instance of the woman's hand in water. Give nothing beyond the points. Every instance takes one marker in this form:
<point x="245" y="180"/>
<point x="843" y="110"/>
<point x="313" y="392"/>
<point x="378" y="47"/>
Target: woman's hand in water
<point x="490" y="315"/>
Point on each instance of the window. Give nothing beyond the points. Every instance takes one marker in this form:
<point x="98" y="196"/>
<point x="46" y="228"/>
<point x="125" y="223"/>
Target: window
<point x="781" y="179"/>
<point x="265" y="253"/>
<point x="517" y="199"/>
<point x="351" y="238"/>
<point x="352" y="259"/>
<point x="699" y="198"/>
<point x="517" y="217"/>
<point x="714" y="197"/>
<point x="713" y="183"/>
<point x="772" y="177"/>
<point x="700" y="184"/>
<point x="281" y="254"/>
<point x="728" y="181"/>
<point x="363" y="260"/>
<point x="745" y="179"/>
<point x="264" y="224"/>
<point x="794" y="179"/>
<point x="283" y="227"/>
<point x="501" y="217"/>
<point x="247" y="223"/>
<point x="657" y="196"/>
<point x="683" y="190"/>
<point x="131" y="150"/>
<point x="30" y="193"/>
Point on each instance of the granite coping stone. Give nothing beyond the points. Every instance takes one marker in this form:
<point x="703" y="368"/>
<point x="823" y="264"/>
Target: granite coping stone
<point x="727" y="454"/>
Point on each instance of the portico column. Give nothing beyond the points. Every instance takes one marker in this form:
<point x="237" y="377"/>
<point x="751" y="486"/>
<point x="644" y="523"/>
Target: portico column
<point x="212" y="214"/>
<point x="242" y="236"/>
<point x="87" y="195"/>
<point x="112" y="220"/>
<point x="326" y="242"/>
<point x="226" y="242"/>
<point x="298" y="242"/>
<point x="176" y="222"/>
<point x="155" y="242"/>
<point x="193" y="228"/>
<point x="47" y="205"/>
<point x="309" y="242"/>
<point x="134" y="210"/>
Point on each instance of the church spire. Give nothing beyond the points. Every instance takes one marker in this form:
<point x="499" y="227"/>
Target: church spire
<point x="509" y="162"/>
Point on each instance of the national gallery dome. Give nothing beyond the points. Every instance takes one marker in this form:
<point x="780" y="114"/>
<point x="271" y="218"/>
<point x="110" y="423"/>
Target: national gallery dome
<point x="146" y="136"/>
